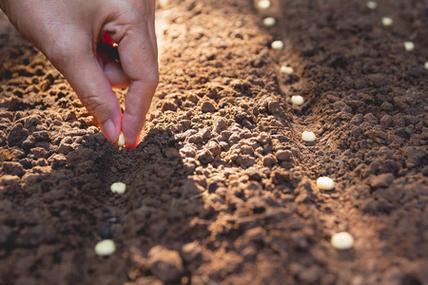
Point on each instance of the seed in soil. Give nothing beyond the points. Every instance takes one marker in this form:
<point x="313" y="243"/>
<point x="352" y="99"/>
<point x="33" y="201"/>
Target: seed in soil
<point x="342" y="241"/>
<point x="297" y="100"/>
<point x="263" y="4"/>
<point x="105" y="247"/>
<point x="409" y="46"/>
<point x="308" y="136"/>
<point x="372" y="5"/>
<point x="269" y="21"/>
<point x="121" y="141"/>
<point x="387" y="21"/>
<point x="287" y="69"/>
<point x="277" y="45"/>
<point x="426" y="65"/>
<point x="325" y="183"/>
<point x="118" y="187"/>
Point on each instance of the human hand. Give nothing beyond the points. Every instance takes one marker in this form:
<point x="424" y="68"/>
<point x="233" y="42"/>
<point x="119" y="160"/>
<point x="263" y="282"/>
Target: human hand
<point x="68" y="32"/>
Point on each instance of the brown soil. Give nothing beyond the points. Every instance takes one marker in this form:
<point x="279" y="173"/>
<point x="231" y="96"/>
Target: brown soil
<point x="221" y="190"/>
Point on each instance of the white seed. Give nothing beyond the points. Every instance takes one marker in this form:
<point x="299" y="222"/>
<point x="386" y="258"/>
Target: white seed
<point x="286" y="69"/>
<point x="426" y="65"/>
<point x="121" y="141"/>
<point x="118" y="187"/>
<point x="409" y="46"/>
<point x="269" y="21"/>
<point x="387" y="21"/>
<point x="342" y="241"/>
<point x="263" y="4"/>
<point x="308" y="136"/>
<point x="325" y="183"/>
<point x="297" y="100"/>
<point x="277" y="45"/>
<point x="105" y="247"/>
<point x="372" y="5"/>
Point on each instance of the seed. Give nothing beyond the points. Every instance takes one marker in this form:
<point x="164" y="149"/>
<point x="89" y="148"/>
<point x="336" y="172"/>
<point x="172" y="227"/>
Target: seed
<point x="269" y="21"/>
<point x="263" y="4"/>
<point x="121" y="141"/>
<point x="387" y="21"/>
<point x="372" y="5"/>
<point x="286" y="69"/>
<point x="325" y="183"/>
<point x="105" y="247"/>
<point x="297" y="100"/>
<point x="426" y="65"/>
<point x="277" y="45"/>
<point x="342" y="241"/>
<point x="308" y="136"/>
<point x="409" y="46"/>
<point x="118" y="187"/>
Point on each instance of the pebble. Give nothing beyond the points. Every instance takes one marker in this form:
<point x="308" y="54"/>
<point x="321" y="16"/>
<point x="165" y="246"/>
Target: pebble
<point x="287" y="69"/>
<point x="325" y="183"/>
<point x="308" y="136"/>
<point x="387" y="21"/>
<point x="297" y="100"/>
<point x="269" y="21"/>
<point x="342" y="241"/>
<point x="263" y="4"/>
<point x="121" y="140"/>
<point x="209" y="106"/>
<point x="372" y="5"/>
<point x="409" y="46"/>
<point x="165" y="264"/>
<point x="118" y="187"/>
<point x="277" y="45"/>
<point x="105" y="247"/>
<point x="426" y="65"/>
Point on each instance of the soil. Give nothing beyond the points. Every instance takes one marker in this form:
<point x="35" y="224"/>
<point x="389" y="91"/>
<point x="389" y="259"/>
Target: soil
<point x="222" y="189"/>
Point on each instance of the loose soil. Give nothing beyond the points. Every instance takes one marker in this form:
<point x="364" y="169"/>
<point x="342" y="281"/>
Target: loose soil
<point x="222" y="189"/>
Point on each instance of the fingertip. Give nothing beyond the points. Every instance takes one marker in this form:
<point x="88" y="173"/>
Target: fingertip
<point x="111" y="130"/>
<point x="115" y="75"/>
<point x="132" y="129"/>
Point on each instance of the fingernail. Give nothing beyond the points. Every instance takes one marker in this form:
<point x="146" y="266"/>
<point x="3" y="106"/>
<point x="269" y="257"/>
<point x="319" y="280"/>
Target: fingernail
<point x="109" y="130"/>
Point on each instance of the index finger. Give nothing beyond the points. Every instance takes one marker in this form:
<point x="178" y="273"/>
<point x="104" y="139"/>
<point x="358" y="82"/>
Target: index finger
<point x="138" y="58"/>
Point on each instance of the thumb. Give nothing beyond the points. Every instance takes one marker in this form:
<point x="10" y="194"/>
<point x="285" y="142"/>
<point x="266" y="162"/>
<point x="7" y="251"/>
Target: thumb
<point x="82" y="70"/>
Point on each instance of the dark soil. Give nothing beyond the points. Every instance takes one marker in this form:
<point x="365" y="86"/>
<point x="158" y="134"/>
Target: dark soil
<point x="222" y="189"/>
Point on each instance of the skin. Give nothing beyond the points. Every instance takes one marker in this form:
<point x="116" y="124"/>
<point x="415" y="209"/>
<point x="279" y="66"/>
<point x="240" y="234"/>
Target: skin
<point x="68" y="31"/>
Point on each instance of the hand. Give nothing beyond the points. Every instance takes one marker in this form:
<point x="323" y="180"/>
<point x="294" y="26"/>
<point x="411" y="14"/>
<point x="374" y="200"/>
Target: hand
<point x="68" y="32"/>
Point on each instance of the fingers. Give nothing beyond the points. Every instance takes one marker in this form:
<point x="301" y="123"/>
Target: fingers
<point x="84" y="73"/>
<point x="115" y="75"/>
<point x="138" y="58"/>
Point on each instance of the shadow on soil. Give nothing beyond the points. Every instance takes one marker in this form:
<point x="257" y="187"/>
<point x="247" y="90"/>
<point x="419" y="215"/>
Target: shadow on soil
<point x="57" y="217"/>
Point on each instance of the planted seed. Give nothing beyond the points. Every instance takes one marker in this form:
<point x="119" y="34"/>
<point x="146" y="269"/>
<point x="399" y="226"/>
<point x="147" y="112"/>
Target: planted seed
<point x="287" y="69"/>
<point x="297" y="100"/>
<point x="325" y="183"/>
<point x="409" y="46"/>
<point x="277" y="45"/>
<point x="387" y="21"/>
<point x="426" y="65"/>
<point x="269" y="21"/>
<point x="263" y="4"/>
<point x="105" y="247"/>
<point x="118" y="188"/>
<point x="372" y="5"/>
<point x="342" y="241"/>
<point x="308" y="136"/>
